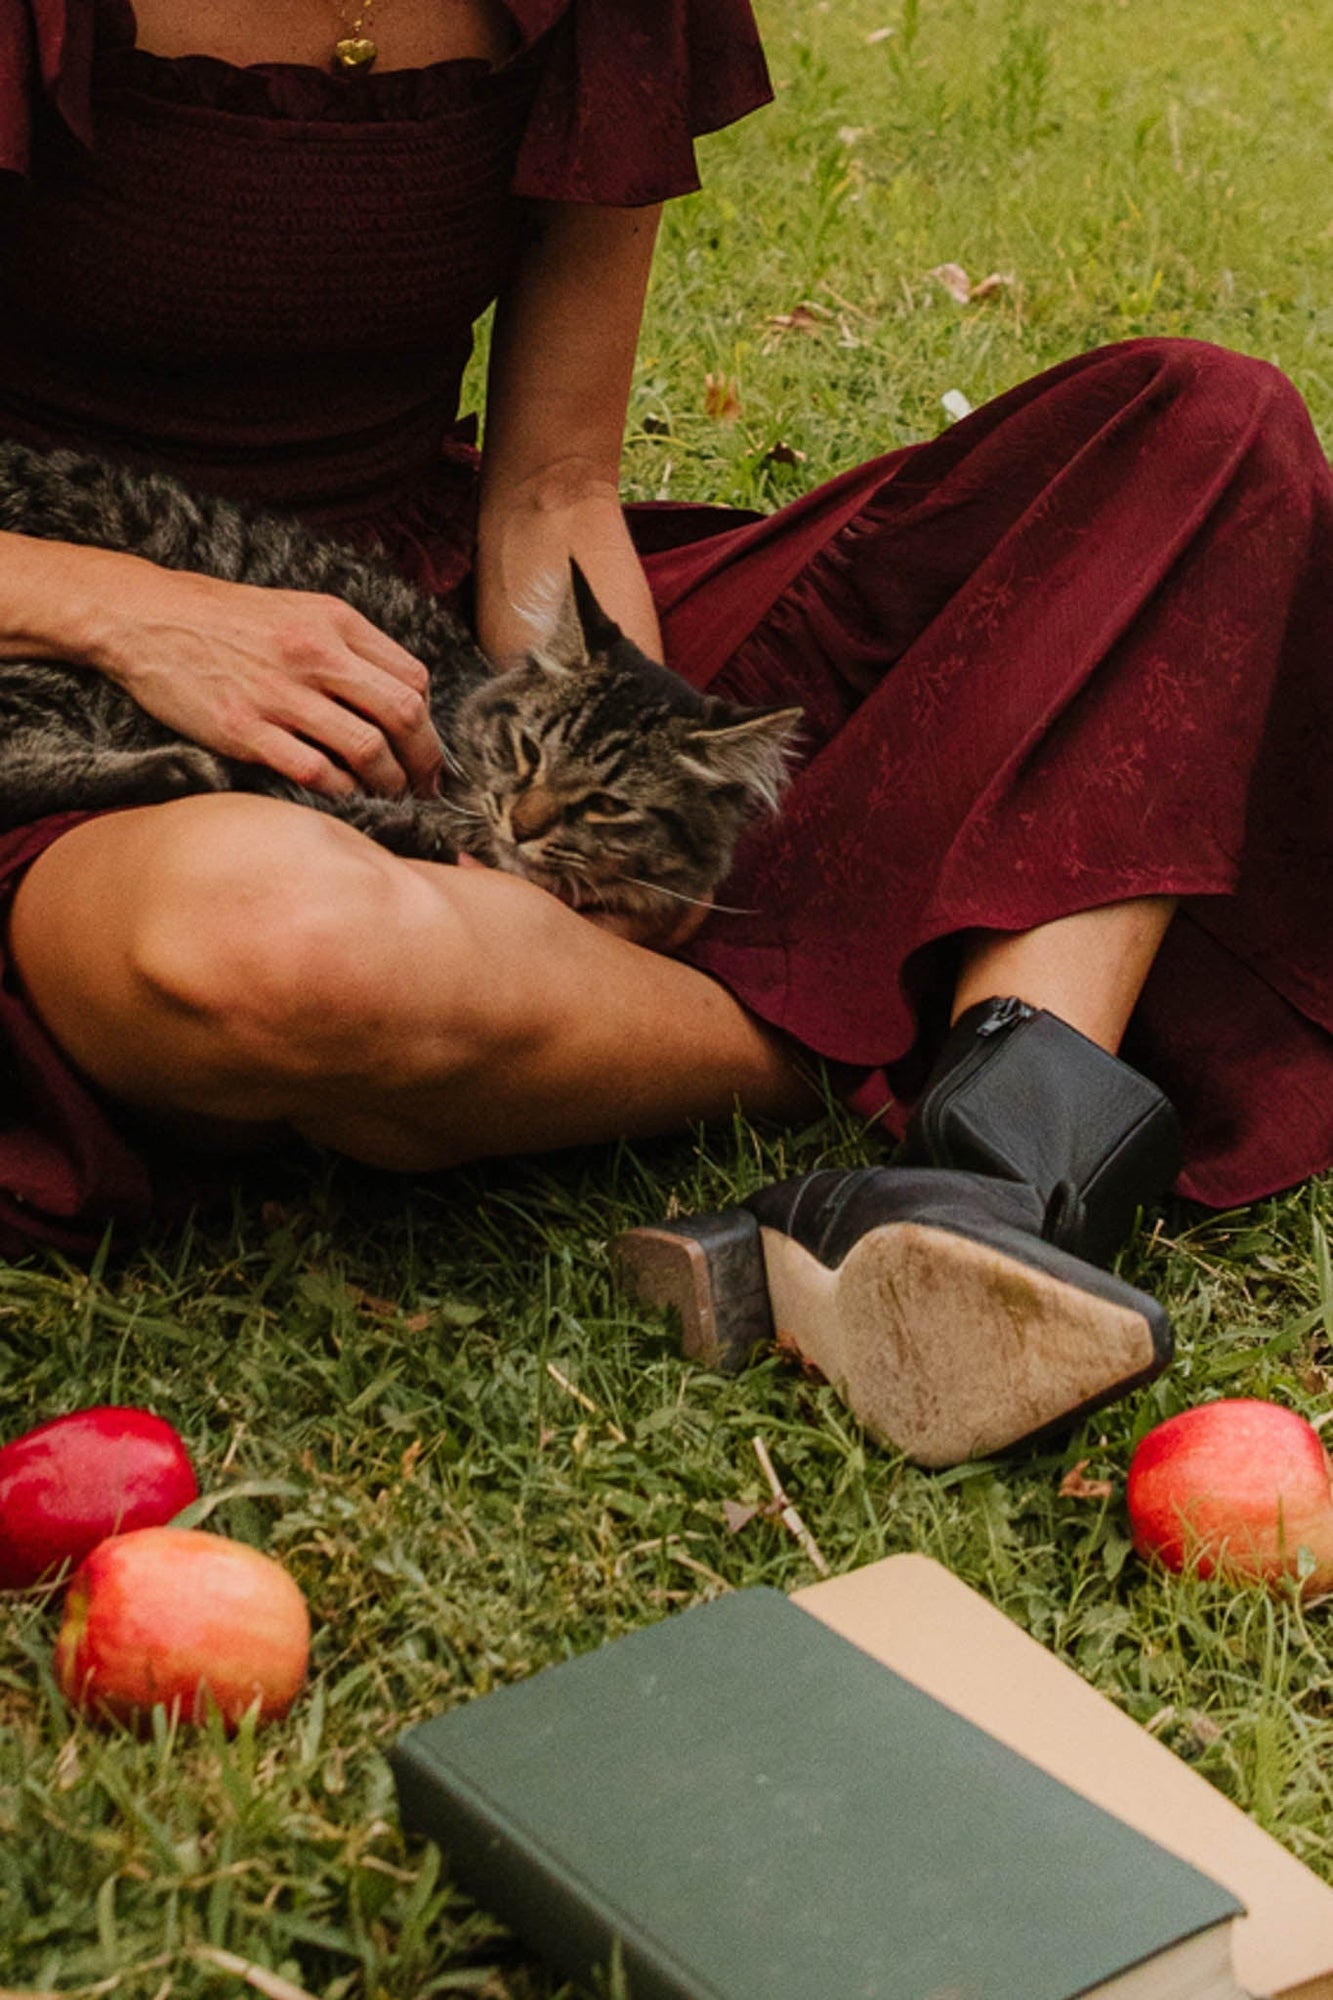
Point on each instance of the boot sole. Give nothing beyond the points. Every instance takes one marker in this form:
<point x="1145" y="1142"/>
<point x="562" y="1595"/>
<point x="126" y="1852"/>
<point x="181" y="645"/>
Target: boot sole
<point x="943" y="1347"/>
<point x="947" y="1348"/>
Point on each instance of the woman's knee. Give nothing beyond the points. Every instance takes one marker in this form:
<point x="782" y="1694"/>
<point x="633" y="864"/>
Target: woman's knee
<point x="1235" y="397"/>
<point x="230" y="944"/>
<point x="292" y="955"/>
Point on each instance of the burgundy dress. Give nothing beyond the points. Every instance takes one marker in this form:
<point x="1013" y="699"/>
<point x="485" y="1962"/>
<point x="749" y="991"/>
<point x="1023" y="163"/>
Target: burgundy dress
<point x="1077" y="649"/>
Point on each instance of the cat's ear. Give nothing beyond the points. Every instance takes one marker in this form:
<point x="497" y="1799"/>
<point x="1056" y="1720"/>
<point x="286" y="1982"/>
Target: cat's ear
<point x="579" y="630"/>
<point x="599" y="631"/>
<point x="746" y="747"/>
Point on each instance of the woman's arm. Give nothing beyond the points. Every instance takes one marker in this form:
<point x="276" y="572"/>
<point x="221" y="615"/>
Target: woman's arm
<point x="562" y="360"/>
<point x="287" y="678"/>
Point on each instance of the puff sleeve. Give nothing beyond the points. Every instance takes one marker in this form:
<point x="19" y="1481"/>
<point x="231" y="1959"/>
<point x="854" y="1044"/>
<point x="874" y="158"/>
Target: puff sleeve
<point x="626" y="88"/>
<point x="46" y="49"/>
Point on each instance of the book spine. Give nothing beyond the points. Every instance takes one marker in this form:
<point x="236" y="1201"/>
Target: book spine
<point x="552" y="1909"/>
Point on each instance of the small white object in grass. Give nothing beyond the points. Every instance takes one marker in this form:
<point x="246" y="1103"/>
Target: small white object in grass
<point x="955" y="405"/>
<point x="955" y="282"/>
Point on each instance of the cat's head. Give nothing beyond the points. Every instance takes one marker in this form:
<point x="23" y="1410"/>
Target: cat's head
<point x="606" y="778"/>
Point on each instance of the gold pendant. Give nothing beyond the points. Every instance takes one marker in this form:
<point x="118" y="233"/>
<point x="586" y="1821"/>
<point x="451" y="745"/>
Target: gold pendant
<point x="354" y="52"/>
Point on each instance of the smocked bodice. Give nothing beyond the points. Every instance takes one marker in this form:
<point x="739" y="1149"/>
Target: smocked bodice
<point x="267" y="278"/>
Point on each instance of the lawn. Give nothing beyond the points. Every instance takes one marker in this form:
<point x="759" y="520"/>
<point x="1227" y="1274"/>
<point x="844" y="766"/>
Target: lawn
<point x="425" y="1398"/>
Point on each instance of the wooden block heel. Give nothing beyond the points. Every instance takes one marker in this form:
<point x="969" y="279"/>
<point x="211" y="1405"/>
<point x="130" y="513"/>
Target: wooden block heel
<point x="709" y="1271"/>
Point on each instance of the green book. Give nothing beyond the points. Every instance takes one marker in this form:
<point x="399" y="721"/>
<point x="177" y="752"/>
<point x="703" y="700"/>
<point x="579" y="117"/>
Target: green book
<point x="741" y="1805"/>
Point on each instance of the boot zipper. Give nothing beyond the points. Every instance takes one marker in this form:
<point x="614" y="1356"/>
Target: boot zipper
<point x="1006" y="1016"/>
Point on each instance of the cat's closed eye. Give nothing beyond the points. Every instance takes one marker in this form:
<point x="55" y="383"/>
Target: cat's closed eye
<point x="604" y="806"/>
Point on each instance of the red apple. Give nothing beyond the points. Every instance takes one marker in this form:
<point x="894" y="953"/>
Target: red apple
<point x="1239" y="1486"/>
<point x="70" y="1483"/>
<point x="184" y="1618"/>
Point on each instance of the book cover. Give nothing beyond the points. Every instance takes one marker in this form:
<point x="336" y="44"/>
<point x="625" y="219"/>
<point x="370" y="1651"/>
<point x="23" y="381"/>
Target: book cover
<point x="758" y="1810"/>
<point x="915" y="1616"/>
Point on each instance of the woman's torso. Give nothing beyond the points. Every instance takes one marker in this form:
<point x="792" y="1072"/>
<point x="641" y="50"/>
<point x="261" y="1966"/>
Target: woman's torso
<point x="408" y="34"/>
<point x="265" y="275"/>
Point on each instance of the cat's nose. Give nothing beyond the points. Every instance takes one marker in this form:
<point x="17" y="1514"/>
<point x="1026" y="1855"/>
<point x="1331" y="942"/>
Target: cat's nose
<point x="533" y="813"/>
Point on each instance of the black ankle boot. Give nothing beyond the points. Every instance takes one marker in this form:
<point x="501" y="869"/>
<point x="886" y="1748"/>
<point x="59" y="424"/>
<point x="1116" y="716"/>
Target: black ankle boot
<point x="949" y="1297"/>
<point x="1019" y="1094"/>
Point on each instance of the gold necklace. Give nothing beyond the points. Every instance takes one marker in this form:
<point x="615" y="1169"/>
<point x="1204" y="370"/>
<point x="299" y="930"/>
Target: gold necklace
<point x="355" y="50"/>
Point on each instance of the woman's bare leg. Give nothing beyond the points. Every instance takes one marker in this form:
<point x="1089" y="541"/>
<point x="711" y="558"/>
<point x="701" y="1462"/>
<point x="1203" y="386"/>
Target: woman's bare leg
<point x="236" y="958"/>
<point x="1088" y="968"/>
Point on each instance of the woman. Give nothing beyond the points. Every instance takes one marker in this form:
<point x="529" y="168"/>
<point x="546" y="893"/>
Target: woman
<point x="233" y="244"/>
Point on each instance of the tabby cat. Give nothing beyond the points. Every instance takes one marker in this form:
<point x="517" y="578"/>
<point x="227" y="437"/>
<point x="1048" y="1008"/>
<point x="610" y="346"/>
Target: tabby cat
<point x="588" y="768"/>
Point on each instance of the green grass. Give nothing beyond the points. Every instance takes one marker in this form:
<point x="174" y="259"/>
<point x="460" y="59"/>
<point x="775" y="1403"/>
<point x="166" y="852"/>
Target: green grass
<point x="384" y="1352"/>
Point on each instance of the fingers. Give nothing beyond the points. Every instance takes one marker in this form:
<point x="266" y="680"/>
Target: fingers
<point x="692" y="921"/>
<point x="632" y="929"/>
<point x="359" y="695"/>
<point x="292" y="679"/>
<point x="366" y="639"/>
<point x="655" y="932"/>
<point x="381" y="706"/>
<point x="397" y="699"/>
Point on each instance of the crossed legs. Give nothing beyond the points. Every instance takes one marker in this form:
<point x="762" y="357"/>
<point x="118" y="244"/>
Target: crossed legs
<point x="240" y="960"/>
<point x="235" y="962"/>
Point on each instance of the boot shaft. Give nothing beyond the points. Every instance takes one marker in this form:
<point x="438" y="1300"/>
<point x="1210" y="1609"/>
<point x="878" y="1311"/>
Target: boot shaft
<point x="1019" y="1094"/>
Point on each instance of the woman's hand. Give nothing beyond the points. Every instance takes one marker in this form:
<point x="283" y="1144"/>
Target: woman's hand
<point x="665" y="934"/>
<point x="287" y="678"/>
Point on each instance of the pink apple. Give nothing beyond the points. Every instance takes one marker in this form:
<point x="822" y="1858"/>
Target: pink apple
<point x="184" y="1618"/>
<point x="1238" y="1486"/>
<point x="70" y="1483"/>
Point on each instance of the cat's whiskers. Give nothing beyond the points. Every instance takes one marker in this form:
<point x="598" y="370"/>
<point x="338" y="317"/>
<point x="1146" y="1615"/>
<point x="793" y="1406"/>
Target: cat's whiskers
<point x="617" y="755"/>
<point x="679" y="896"/>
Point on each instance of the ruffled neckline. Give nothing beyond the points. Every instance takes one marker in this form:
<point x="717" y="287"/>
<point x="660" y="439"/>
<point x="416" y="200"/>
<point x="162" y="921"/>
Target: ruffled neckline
<point x="305" y="91"/>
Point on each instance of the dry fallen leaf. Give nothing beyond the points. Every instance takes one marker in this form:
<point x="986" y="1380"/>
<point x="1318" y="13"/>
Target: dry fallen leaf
<point x="955" y="281"/>
<point x="369" y="1302"/>
<point x="737" y="1517"/>
<point x="1076" y="1486"/>
<point x="788" y="1349"/>
<point x="721" y="398"/>
<point x="782" y="453"/>
<point x="961" y="289"/>
<point x="994" y="281"/>
<point x="68" y="1770"/>
<point x="804" y="317"/>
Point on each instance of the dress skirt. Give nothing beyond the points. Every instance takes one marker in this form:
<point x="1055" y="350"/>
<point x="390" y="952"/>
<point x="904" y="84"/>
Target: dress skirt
<point x="1077" y="649"/>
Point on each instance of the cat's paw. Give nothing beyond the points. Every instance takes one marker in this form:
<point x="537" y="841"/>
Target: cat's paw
<point x="413" y="828"/>
<point x="178" y="770"/>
